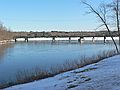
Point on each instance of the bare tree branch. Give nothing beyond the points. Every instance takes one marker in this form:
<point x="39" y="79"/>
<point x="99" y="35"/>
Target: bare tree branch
<point x="102" y="17"/>
<point x="99" y="27"/>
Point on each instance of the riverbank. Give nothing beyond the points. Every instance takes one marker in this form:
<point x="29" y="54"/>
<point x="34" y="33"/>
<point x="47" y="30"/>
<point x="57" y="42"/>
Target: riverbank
<point x="103" y="75"/>
<point x="4" y="41"/>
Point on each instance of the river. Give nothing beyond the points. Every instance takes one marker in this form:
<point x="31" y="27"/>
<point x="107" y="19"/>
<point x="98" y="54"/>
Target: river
<point x="20" y="56"/>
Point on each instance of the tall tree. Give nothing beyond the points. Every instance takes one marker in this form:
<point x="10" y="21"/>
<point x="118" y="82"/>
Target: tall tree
<point x="115" y="8"/>
<point x="117" y="18"/>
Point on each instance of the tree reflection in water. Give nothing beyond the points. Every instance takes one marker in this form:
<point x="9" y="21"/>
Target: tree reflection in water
<point x="3" y="50"/>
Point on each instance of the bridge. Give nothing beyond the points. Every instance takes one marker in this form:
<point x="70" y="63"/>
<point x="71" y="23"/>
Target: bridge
<point x="59" y="34"/>
<point x="69" y="35"/>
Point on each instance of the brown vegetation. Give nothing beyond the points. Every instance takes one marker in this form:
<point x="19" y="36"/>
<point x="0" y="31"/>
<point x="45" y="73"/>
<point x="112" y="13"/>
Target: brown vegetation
<point x="5" y="34"/>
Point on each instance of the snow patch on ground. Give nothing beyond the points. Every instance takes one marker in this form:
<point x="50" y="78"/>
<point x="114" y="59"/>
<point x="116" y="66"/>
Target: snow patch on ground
<point x="104" y="75"/>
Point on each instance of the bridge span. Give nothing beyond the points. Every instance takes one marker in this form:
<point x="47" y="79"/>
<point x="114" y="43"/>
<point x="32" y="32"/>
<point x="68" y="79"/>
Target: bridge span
<point x="26" y="38"/>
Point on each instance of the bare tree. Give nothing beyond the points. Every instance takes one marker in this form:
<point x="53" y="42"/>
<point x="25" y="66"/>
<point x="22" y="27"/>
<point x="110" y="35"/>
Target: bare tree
<point x="101" y="13"/>
<point x="115" y="7"/>
<point x="4" y="33"/>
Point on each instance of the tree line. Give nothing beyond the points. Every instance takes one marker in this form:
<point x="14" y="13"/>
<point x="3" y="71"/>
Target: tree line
<point x="5" y="34"/>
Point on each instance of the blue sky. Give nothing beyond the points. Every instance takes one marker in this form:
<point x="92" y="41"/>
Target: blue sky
<point x="48" y="15"/>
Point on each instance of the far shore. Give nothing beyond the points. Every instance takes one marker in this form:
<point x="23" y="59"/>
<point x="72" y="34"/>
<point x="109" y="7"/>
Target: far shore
<point x="4" y="41"/>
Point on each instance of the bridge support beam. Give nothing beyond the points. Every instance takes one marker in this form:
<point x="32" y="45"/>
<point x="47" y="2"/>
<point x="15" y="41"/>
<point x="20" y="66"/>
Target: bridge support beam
<point x="15" y="40"/>
<point x="80" y="40"/>
<point x="93" y="39"/>
<point x="69" y="39"/>
<point x="26" y="39"/>
<point x="53" y="39"/>
<point x="104" y="39"/>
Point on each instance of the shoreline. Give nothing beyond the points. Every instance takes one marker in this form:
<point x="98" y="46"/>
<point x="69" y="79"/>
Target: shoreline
<point x="39" y="75"/>
<point x="4" y="42"/>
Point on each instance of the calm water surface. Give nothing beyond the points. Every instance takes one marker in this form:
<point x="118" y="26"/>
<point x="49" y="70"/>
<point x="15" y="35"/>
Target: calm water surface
<point x="25" y="56"/>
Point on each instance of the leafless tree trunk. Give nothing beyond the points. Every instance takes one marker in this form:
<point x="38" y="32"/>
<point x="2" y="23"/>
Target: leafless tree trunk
<point x="116" y="8"/>
<point x="102" y="16"/>
<point x="117" y="18"/>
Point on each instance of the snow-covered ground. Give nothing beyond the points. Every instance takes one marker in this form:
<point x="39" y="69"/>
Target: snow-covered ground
<point x="104" y="75"/>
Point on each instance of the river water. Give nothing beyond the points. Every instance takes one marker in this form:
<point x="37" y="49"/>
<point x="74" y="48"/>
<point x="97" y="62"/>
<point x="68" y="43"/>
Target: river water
<point x="19" y="56"/>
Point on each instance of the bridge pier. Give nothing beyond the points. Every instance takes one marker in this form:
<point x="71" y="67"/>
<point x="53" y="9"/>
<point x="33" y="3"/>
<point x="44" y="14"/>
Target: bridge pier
<point x="104" y="39"/>
<point x="15" y="40"/>
<point x="80" y="39"/>
<point x="93" y="39"/>
<point x="26" y="39"/>
<point x="53" y="39"/>
<point x="69" y="39"/>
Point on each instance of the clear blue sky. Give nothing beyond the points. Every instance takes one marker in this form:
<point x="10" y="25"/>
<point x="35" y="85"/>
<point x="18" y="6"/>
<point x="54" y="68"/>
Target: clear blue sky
<point x="48" y="15"/>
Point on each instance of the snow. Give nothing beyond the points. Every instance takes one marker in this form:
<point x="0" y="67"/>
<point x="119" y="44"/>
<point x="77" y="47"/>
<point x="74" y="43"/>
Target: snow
<point x="104" y="75"/>
<point x="67" y="38"/>
<point x="37" y="39"/>
<point x="20" y="39"/>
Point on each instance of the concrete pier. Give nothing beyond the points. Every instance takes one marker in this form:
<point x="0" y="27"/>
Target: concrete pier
<point x="26" y="39"/>
<point x="93" y="39"/>
<point x="53" y="39"/>
<point x="80" y="39"/>
<point x="69" y="39"/>
<point x="15" y="40"/>
<point x="104" y="39"/>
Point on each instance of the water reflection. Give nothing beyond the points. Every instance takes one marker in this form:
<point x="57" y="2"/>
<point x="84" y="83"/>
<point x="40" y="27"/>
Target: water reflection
<point x="3" y="50"/>
<point x="25" y="56"/>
